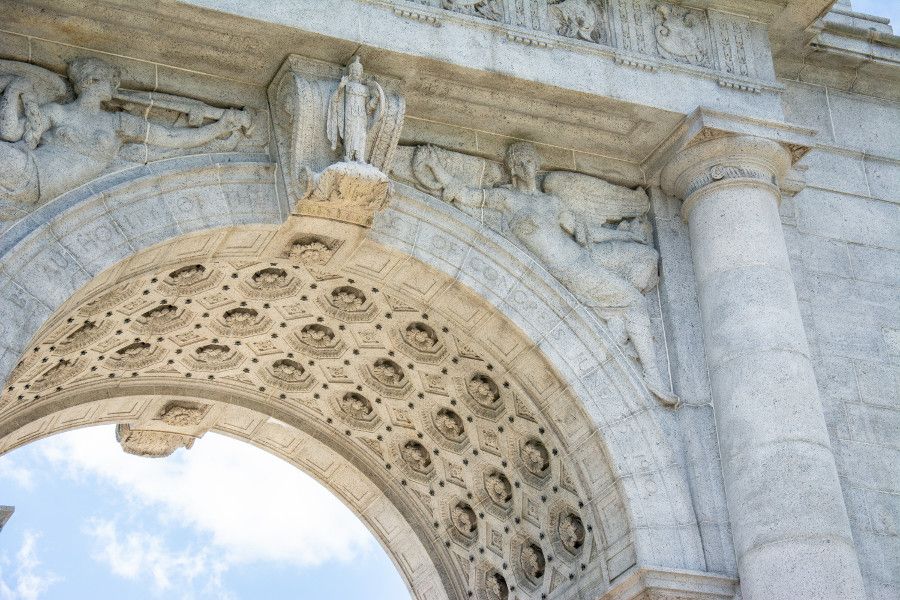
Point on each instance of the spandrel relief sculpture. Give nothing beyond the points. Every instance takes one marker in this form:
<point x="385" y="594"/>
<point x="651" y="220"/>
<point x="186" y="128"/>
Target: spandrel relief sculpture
<point x="58" y="133"/>
<point x="594" y="237"/>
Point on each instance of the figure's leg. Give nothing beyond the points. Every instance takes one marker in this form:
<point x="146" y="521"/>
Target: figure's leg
<point x="640" y="330"/>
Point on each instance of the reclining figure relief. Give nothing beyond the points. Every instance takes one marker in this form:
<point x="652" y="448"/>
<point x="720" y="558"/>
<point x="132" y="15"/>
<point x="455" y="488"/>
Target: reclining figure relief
<point x="592" y="236"/>
<point x="52" y="140"/>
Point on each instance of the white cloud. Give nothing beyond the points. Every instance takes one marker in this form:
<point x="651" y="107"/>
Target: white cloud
<point x="138" y="555"/>
<point x="27" y="581"/>
<point x="19" y="475"/>
<point x="255" y="507"/>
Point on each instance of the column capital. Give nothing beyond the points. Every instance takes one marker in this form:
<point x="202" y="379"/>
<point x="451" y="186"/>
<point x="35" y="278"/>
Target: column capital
<point x="713" y="160"/>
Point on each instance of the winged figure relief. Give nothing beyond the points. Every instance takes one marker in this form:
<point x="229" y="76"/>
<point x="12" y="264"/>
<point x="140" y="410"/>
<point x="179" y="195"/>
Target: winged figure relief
<point x="593" y="236"/>
<point x="349" y="111"/>
<point x="57" y="133"/>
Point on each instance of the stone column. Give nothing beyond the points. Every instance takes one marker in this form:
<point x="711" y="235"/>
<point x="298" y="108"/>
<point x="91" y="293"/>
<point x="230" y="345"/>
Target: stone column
<point x="790" y="526"/>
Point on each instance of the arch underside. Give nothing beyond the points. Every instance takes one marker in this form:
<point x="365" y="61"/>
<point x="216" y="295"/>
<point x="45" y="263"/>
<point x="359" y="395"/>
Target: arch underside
<point x="454" y="330"/>
<point x="377" y="361"/>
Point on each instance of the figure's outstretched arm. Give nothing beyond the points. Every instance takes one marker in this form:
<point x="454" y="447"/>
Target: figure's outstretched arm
<point x="181" y="137"/>
<point x="452" y="190"/>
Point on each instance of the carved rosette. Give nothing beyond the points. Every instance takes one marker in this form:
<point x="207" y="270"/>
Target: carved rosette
<point x="387" y="377"/>
<point x="356" y="410"/>
<point x="85" y="334"/>
<point x="420" y="342"/>
<point x="58" y="374"/>
<point x="213" y="357"/>
<point x="481" y="394"/>
<point x="287" y="374"/>
<point x="240" y="322"/>
<point x="313" y="251"/>
<point x="162" y="319"/>
<point x="189" y="280"/>
<point x="568" y="532"/>
<point x="529" y="562"/>
<point x="491" y="584"/>
<point x="495" y="492"/>
<point x="414" y="459"/>
<point x="348" y="303"/>
<point x="136" y="355"/>
<point x="317" y="340"/>
<point x="270" y="283"/>
<point x="463" y="521"/>
<point x="446" y="427"/>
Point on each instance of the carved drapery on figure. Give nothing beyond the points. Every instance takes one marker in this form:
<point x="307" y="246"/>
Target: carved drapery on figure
<point x="593" y="236"/>
<point x="335" y="134"/>
<point x="58" y="133"/>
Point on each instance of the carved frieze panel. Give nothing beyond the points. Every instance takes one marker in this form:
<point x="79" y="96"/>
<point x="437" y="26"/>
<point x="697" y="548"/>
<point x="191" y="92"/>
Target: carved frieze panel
<point x="681" y="34"/>
<point x="586" y="20"/>
<point x="640" y="33"/>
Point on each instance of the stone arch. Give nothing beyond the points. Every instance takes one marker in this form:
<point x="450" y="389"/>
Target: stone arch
<point x="576" y="383"/>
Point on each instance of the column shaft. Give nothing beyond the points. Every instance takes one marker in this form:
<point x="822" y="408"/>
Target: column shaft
<point x="790" y="526"/>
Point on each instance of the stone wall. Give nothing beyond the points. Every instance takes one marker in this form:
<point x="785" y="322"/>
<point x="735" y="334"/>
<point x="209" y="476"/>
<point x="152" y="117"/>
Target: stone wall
<point x="843" y="235"/>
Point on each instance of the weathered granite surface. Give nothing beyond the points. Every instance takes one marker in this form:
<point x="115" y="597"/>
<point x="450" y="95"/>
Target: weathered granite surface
<point x="566" y="299"/>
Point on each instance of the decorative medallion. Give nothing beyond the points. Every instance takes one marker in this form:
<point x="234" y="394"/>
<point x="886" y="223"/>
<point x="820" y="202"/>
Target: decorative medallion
<point x="318" y="340"/>
<point x="482" y="395"/>
<point x="270" y="283"/>
<point x="189" y="280"/>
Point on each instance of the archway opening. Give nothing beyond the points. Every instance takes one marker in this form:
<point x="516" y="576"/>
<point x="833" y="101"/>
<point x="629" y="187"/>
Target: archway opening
<point x="225" y="520"/>
<point x="415" y="400"/>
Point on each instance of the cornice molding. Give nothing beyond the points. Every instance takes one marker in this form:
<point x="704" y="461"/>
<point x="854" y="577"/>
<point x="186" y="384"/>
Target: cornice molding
<point x="671" y="584"/>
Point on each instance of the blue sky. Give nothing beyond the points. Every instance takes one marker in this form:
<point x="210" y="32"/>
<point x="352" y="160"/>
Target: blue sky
<point x="882" y="8"/>
<point x="224" y="520"/>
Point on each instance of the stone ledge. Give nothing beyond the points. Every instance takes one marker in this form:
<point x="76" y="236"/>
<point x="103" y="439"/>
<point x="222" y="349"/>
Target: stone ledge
<point x="668" y="584"/>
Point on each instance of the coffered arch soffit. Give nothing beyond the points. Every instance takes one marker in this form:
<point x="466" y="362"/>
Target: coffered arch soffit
<point x="566" y="400"/>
